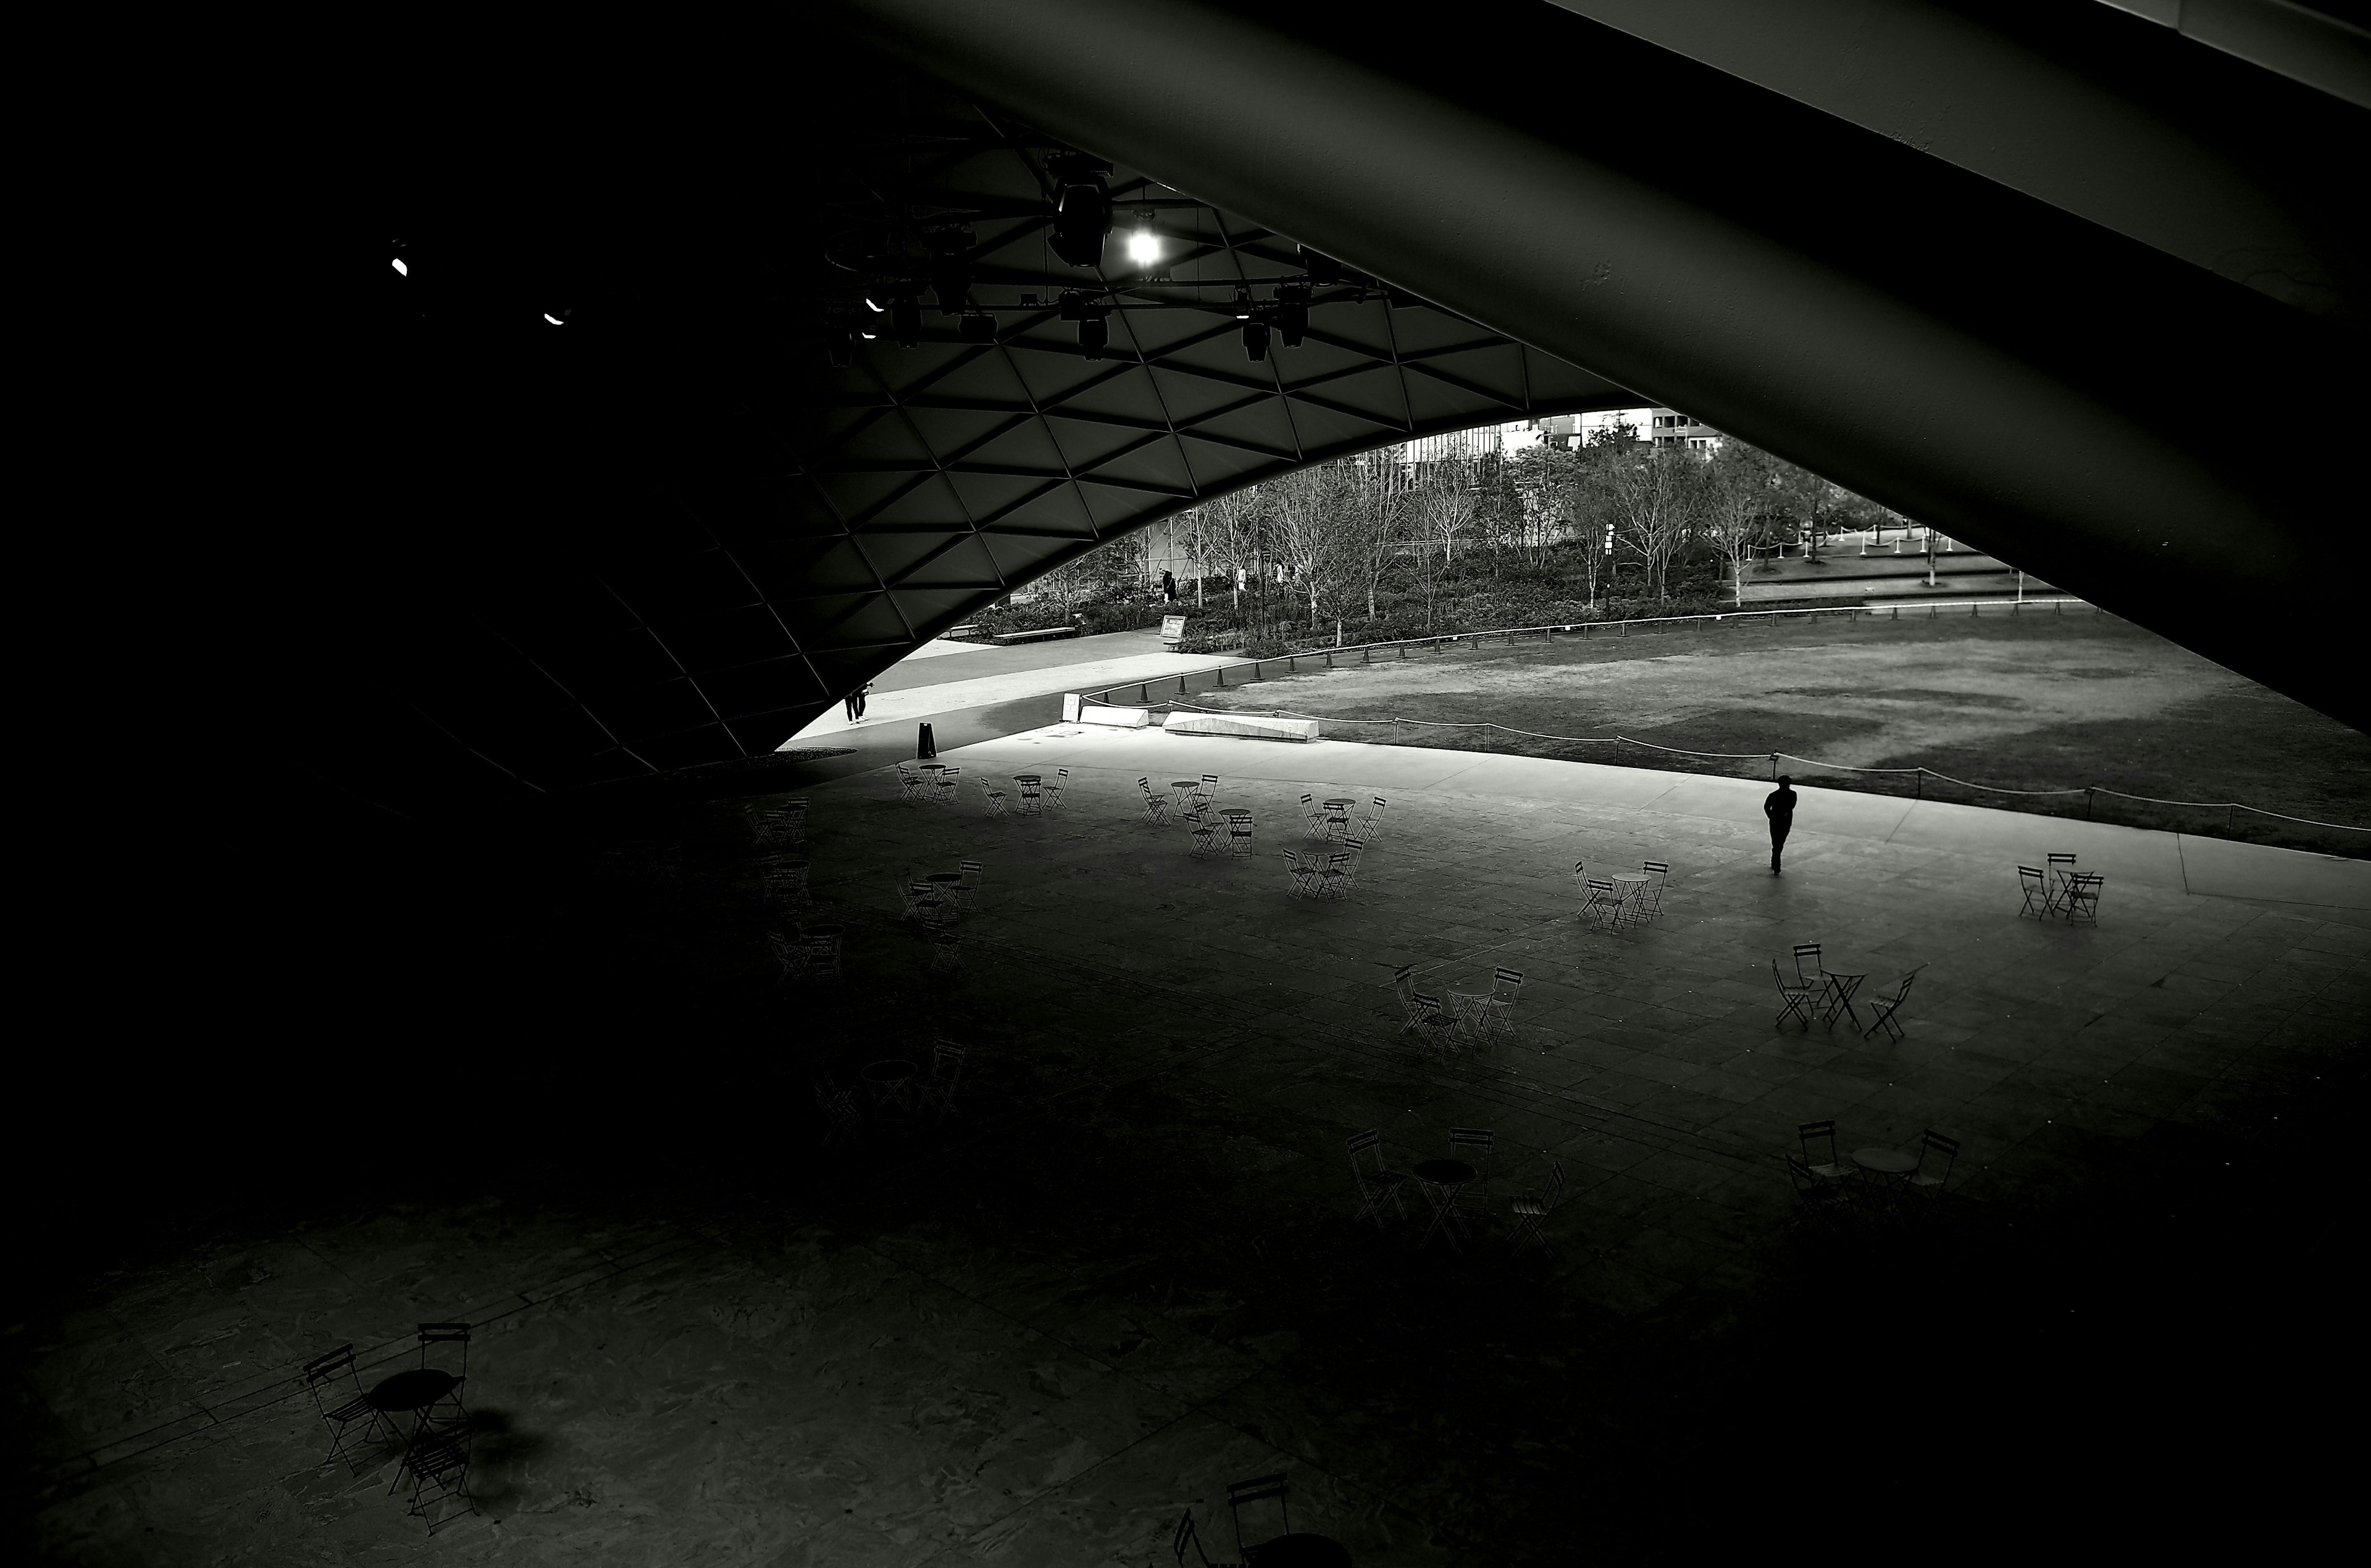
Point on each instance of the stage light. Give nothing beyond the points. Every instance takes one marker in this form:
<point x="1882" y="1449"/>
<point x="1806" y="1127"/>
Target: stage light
<point x="1322" y="270"/>
<point x="402" y="268"/>
<point x="1255" y="340"/>
<point x="1291" y="313"/>
<point x="1242" y="303"/>
<point x="1094" y="336"/>
<point x="1144" y="247"/>
<point x="1082" y="221"/>
<point x="977" y="327"/>
<point x="553" y="320"/>
<point x="905" y="320"/>
<point x="871" y="306"/>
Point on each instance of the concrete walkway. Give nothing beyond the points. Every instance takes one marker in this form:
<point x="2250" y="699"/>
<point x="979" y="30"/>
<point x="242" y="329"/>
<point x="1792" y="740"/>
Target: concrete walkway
<point x="979" y="677"/>
<point x="2177" y="862"/>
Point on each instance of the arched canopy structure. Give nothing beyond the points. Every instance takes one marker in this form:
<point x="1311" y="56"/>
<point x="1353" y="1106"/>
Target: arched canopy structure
<point x="656" y="483"/>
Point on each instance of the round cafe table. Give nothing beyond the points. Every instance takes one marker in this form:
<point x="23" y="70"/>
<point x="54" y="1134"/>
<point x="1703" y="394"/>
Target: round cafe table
<point x="1629" y="885"/>
<point x="413" y="1392"/>
<point x="1890" y="1167"/>
<point x="1302" y="1550"/>
<point x="1337" y="813"/>
<point x="891" y="1084"/>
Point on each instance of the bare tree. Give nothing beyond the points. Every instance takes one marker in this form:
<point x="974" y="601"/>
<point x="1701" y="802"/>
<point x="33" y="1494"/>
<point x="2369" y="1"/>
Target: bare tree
<point x="1447" y="505"/>
<point x="1227" y="528"/>
<point x="1314" y="532"/>
<point x="1376" y="512"/>
<point x="1743" y="487"/>
<point x="1652" y="495"/>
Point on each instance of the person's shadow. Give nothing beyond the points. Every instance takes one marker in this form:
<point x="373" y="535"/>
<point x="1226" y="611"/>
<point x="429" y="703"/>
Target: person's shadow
<point x="497" y="1456"/>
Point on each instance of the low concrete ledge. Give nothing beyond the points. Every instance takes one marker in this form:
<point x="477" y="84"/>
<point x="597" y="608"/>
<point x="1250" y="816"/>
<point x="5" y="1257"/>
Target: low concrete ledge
<point x="1242" y="726"/>
<point x="1119" y="718"/>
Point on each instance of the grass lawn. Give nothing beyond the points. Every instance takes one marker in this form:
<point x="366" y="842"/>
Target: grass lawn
<point x="2033" y="702"/>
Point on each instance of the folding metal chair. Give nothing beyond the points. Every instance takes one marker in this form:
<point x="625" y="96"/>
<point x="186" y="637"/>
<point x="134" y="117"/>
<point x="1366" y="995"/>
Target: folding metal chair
<point x="1403" y="992"/>
<point x="1209" y="833"/>
<point x="910" y="785"/>
<point x="1377" y="1181"/>
<point x="1054" y="791"/>
<point x="1659" y="871"/>
<point x="1813" y="1136"/>
<point x="1817" y="976"/>
<point x="950" y="780"/>
<point x="439" y="1466"/>
<point x="1259" y="1489"/>
<point x="2060" y="870"/>
<point x="1239" y="830"/>
<point x="1156" y="806"/>
<point x="437" y="1415"/>
<point x="1186" y="1536"/>
<point x="790" y="952"/>
<point x="1031" y="796"/>
<point x="2083" y="897"/>
<point x="1436" y="1027"/>
<point x="1305" y="869"/>
<point x="1580" y="882"/>
<point x="339" y="1414"/>
<point x="1372" y="823"/>
<point x="974" y="876"/>
<point x="1601" y="900"/>
<point x="1817" y="1203"/>
<point x="823" y="951"/>
<point x="1497" y="1015"/>
<point x="2039" y="902"/>
<point x="1209" y="793"/>
<point x="1341" y="870"/>
<point x="993" y="797"/>
<point x="779" y="826"/>
<point x="1475" y="1146"/>
<point x="1883" y="1010"/>
<point x="919" y="902"/>
<point x="939" y="1089"/>
<point x="1314" y="816"/>
<point x="785" y="882"/>
<point x="946" y="953"/>
<point x="1928" y="1180"/>
<point x="841" y="1121"/>
<point x="1532" y="1209"/>
<point x="1797" y="998"/>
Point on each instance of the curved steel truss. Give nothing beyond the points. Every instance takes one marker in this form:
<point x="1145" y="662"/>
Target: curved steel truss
<point x="912" y="485"/>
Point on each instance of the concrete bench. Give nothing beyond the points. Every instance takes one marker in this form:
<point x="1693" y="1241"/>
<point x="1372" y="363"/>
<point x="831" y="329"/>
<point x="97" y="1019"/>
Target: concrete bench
<point x="1037" y="636"/>
<point x="1120" y="718"/>
<point x="1242" y="726"/>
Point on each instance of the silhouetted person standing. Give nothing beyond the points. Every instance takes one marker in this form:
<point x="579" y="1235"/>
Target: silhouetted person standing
<point x="1780" y="808"/>
<point x="1169" y="587"/>
<point x="856" y="702"/>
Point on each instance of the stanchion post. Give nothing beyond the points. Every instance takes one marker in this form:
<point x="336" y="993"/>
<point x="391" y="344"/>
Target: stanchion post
<point x="1921" y="784"/>
<point x="2089" y="795"/>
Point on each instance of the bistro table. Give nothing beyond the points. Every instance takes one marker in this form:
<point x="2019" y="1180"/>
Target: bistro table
<point x="949" y="885"/>
<point x="1241" y="844"/>
<point x="891" y="1084"/>
<point x="1182" y="792"/>
<point x="1337" y="813"/>
<point x="1629" y="885"/>
<point x="1841" y="989"/>
<point x="1442" y="1179"/>
<point x="1031" y="787"/>
<point x="415" y="1392"/>
<point x="1299" y="1550"/>
<point x="1890" y="1167"/>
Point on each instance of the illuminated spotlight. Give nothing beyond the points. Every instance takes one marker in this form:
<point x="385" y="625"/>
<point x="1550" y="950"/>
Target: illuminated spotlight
<point x="868" y="336"/>
<point x="1144" y="247"/>
<point x="402" y="268"/>
<point x="1094" y="336"/>
<point x="871" y="306"/>
<point x="1255" y="340"/>
<point x="1242" y="303"/>
<point x="555" y="320"/>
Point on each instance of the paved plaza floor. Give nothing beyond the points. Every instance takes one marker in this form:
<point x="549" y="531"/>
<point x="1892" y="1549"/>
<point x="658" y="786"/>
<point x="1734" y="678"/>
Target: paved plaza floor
<point x="1130" y="1271"/>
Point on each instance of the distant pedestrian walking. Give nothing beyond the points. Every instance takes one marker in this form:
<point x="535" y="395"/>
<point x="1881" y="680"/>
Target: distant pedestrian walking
<point x="1780" y="808"/>
<point x="1169" y="587"/>
<point x="856" y="702"/>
